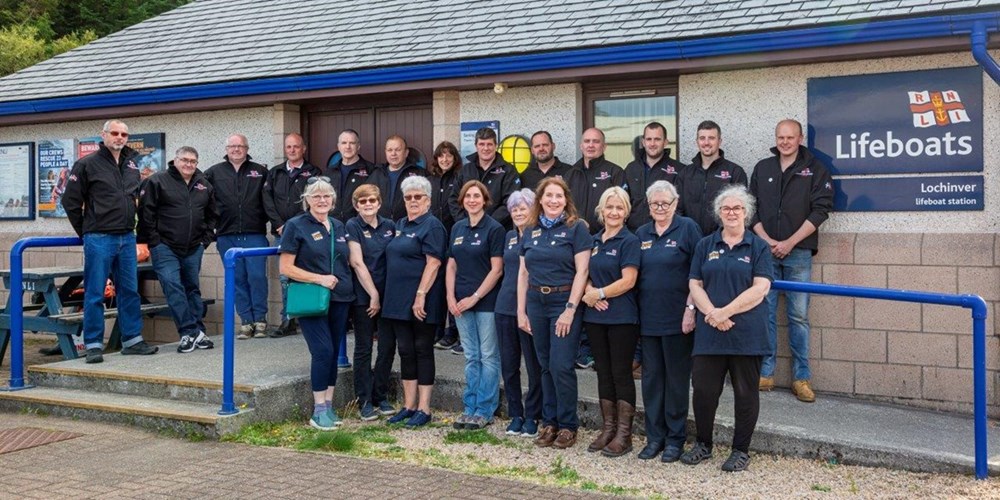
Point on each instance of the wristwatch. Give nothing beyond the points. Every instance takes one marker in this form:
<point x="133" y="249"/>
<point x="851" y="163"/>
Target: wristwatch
<point x="600" y="294"/>
<point x="570" y="306"/>
<point x="421" y="292"/>
<point x="689" y="306"/>
<point x="476" y="295"/>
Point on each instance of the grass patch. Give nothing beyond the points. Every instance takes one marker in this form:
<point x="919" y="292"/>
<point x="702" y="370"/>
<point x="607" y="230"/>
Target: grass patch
<point x="821" y="487"/>
<point x="479" y="436"/>
<point x="563" y="473"/>
<point x="338" y="441"/>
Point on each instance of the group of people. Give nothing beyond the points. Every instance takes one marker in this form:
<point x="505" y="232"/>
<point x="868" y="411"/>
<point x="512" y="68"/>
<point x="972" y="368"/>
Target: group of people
<point x="667" y="262"/>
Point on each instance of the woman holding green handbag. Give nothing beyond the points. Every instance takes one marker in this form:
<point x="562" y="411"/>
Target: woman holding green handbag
<point x="314" y="255"/>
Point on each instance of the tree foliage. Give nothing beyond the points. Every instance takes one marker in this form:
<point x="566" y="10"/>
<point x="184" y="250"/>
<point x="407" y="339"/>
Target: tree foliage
<point x="34" y="30"/>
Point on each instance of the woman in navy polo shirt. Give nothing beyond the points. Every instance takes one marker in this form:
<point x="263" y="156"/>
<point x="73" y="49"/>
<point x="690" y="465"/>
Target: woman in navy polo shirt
<point x="413" y="308"/>
<point x="555" y="253"/>
<point x="730" y="275"/>
<point x="666" y="321"/>
<point x="368" y="233"/>
<point x="612" y="321"/>
<point x="305" y="257"/>
<point x="475" y="264"/>
<point x="524" y="415"/>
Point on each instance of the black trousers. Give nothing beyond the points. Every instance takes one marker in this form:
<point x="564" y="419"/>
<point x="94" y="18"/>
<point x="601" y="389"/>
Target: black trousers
<point x="613" y="347"/>
<point x="365" y="388"/>
<point x="416" y="348"/>
<point x="666" y="380"/>
<point x="708" y="375"/>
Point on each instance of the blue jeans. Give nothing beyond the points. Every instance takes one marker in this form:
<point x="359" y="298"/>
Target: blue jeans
<point x="251" y="276"/>
<point x="556" y="355"/>
<point x="179" y="279"/>
<point x="110" y="254"/>
<point x="797" y="266"/>
<point x="323" y="334"/>
<point x="513" y="343"/>
<point x="478" y="331"/>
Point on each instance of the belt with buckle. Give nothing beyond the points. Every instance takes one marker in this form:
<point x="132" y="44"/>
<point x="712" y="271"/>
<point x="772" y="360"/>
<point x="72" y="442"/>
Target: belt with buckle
<point x="551" y="289"/>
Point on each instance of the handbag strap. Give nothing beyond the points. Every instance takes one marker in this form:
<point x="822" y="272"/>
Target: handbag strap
<point x="333" y="247"/>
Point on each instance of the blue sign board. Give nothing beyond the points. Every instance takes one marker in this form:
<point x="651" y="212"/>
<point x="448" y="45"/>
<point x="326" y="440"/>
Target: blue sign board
<point x="468" y="143"/>
<point x="960" y="192"/>
<point x="896" y="123"/>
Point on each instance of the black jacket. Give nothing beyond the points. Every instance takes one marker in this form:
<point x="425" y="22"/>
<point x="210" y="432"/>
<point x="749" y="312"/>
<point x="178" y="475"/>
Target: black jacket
<point x="442" y="188"/>
<point x="532" y="175"/>
<point x="360" y="172"/>
<point x="500" y="179"/>
<point x="588" y="184"/>
<point x="239" y="197"/>
<point x="380" y="178"/>
<point x="283" y="193"/>
<point x="785" y="200"/>
<point x="638" y="177"/>
<point x="101" y="194"/>
<point x="175" y="213"/>
<point x="697" y="187"/>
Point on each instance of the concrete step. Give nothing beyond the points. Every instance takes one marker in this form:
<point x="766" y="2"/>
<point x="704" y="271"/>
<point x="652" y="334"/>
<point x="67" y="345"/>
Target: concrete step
<point x="137" y="384"/>
<point x="180" y="417"/>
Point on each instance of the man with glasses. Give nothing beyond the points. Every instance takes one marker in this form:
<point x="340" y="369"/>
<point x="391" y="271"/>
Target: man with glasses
<point x="283" y="200"/>
<point x="100" y="202"/>
<point x="177" y="220"/>
<point x="654" y="165"/>
<point x="239" y="187"/>
<point x="708" y="174"/>
<point x="347" y="171"/>
<point x="794" y="195"/>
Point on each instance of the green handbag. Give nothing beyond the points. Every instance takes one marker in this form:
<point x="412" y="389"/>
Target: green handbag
<point x="310" y="299"/>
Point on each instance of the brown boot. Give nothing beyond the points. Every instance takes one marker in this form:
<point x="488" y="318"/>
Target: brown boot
<point x="546" y="437"/>
<point x="622" y="443"/>
<point x="610" y="415"/>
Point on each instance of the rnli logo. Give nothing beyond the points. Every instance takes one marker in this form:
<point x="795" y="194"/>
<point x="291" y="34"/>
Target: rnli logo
<point x="670" y="169"/>
<point x="937" y="108"/>
<point x="73" y="177"/>
<point x="613" y="252"/>
<point x="724" y="175"/>
<point x="603" y="176"/>
<point x="253" y="174"/>
<point x="200" y="187"/>
<point x="745" y="259"/>
<point x="361" y="173"/>
<point x="132" y="165"/>
<point x="306" y="174"/>
<point x="805" y="172"/>
<point x="670" y="243"/>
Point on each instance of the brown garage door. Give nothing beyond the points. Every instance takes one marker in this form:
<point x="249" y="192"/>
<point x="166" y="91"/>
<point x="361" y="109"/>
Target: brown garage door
<point x="375" y="123"/>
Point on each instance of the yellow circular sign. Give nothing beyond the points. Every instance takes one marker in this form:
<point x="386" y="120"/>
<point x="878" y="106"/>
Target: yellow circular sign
<point x="516" y="150"/>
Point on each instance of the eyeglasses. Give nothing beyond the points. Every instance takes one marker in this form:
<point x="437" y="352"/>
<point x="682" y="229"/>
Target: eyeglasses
<point x="186" y="161"/>
<point x="314" y="180"/>
<point x="731" y="210"/>
<point x="115" y="133"/>
<point x="661" y="205"/>
<point x="235" y="146"/>
<point x="367" y="201"/>
<point x="413" y="197"/>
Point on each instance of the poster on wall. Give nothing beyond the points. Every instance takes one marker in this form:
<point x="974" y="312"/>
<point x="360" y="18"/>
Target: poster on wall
<point x="55" y="159"/>
<point x="17" y="171"/>
<point x="468" y="145"/>
<point x="87" y="145"/>
<point x="151" y="157"/>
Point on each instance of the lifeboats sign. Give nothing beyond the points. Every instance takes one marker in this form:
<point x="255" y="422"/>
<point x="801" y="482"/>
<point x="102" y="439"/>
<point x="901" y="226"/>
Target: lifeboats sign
<point x="885" y="125"/>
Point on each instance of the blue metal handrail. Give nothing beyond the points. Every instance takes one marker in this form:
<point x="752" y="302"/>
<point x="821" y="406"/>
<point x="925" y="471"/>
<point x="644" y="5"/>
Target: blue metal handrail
<point x="16" y="302"/>
<point x="229" y="324"/>
<point x="979" y="313"/>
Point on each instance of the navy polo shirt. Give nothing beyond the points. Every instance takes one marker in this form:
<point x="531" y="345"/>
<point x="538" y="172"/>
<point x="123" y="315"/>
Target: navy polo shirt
<point x="405" y="259"/>
<point x="373" y="241"/>
<point x="472" y="248"/>
<point x="663" y="275"/>
<point x="549" y="253"/>
<point x="607" y="259"/>
<point x="725" y="273"/>
<point x="308" y="239"/>
<point x="507" y="297"/>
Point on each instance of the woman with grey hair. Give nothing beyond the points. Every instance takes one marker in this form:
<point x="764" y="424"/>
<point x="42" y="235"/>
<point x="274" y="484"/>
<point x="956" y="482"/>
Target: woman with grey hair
<point x="307" y="241"/>
<point x="514" y="342"/>
<point x="666" y="319"/>
<point x="730" y="276"/>
<point x="413" y="305"/>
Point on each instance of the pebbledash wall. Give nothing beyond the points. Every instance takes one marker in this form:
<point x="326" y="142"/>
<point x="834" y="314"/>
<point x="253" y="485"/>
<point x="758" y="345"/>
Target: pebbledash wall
<point x="913" y="354"/>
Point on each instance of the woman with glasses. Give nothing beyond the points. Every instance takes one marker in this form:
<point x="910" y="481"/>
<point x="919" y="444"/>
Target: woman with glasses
<point x="666" y="319"/>
<point x="555" y="253"/>
<point x="413" y="308"/>
<point x="306" y="244"/>
<point x="730" y="276"/>
<point x="612" y="320"/>
<point x="475" y="264"/>
<point x="368" y="234"/>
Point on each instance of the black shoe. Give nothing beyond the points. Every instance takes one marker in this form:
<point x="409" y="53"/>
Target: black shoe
<point x="671" y="454"/>
<point x="288" y="327"/>
<point x="186" y="344"/>
<point x="696" y="454"/>
<point x="650" y="451"/>
<point x="95" y="355"/>
<point x="142" y="348"/>
<point x="203" y="342"/>
<point x="50" y="351"/>
<point x="738" y="461"/>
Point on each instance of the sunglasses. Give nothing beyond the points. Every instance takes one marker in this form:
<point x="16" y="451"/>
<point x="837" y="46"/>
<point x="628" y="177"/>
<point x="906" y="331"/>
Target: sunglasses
<point x="413" y="197"/>
<point x="314" y="180"/>
<point x="115" y="133"/>
<point x="367" y="201"/>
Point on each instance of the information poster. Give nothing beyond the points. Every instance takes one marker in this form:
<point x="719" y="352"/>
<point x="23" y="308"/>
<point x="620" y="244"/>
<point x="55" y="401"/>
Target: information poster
<point x="55" y="159"/>
<point x="151" y="156"/>
<point x="17" y="167"/>
<point x="86" y="146"/>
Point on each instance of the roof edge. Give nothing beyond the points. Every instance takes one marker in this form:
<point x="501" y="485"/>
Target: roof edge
<point x="695" y="48"/>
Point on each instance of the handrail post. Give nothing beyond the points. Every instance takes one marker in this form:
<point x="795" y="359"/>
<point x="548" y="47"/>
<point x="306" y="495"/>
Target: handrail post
<point x="228" y="325"/>
<point x="17" y="314"/>
<point x="979" y="313"/>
